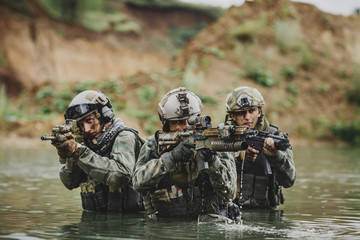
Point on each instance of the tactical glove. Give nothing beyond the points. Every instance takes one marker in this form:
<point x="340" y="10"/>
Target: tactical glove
<point x="269" y="148"/>
<point x="183" y="152"/>
<point x="68" y="149"/>
<point x="206" y="155"/>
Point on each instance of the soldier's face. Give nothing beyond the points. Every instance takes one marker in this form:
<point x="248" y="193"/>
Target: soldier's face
<point x="90" y="126"/>
<point x="247" y="118"/>
<point x="177" y="125"/>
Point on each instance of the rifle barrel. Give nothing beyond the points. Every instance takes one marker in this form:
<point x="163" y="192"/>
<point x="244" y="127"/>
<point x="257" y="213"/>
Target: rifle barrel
<point x="48" y="137"/>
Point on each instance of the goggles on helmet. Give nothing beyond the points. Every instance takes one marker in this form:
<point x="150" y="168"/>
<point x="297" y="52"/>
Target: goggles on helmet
<point x="78" y="111"/>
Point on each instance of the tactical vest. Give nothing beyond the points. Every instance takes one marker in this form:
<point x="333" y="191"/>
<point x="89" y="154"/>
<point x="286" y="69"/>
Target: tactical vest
<point x="179" y="195"/>
<point x="258" y="190"/>
<point x="97" y="196"/>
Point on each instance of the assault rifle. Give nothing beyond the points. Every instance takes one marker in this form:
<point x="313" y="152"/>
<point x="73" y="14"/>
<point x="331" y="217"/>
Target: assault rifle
<point x="224" y="138"/>
<point x="58" y="134"/>
<point x="257" y="141"/>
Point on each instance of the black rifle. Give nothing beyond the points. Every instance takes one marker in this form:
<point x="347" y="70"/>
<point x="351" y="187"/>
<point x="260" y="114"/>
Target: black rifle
<point x="257" y="139"/>
<point x="58" y="134"/>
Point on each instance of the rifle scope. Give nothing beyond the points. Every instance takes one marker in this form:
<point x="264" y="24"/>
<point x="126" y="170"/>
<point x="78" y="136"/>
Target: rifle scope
<point x="203" y="121"/>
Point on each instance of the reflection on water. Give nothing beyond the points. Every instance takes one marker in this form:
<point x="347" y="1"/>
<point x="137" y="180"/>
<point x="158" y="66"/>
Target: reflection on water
<point x="324" y="204"/>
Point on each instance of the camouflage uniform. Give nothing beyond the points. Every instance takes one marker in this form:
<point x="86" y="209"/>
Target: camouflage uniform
<point x="190" y="193"/>
<point x="101" y="166"/>
<point x="170" y="182"/>
<point x="108" y="173"/>
<point x="259" y="190"/>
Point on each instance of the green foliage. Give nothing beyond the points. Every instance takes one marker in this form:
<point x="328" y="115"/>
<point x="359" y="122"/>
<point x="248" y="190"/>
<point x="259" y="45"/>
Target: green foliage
<point x="288" y="35"/>
<point x="320" y="127"/>
<point x="181" y="35"/>
<point x="192" y="80"/>
<point x="20" y="6"/>
<point x="45" y="109"/>
<point x="96" y="15"/>
<point x="213" y="12"/>
<point x="322" y="88"/>
<point x="214" y="50"/>
<point x="248" y="30"/>
<point x="172" y="72"/>
<point x="65" y="10"/>
<point x="45" y="92"/>
<point x="292" y="88"/>
<point x="146" y="94"/>
<point x="258" y="73"/>
<point x="114" y="85"/>
<point x="207" y="100"/>
<point x="353" y="94"/>
<point x="87" y="85"/>
<point x="127" y="26"/>
<point x="306" y="56"/>
<point x="286" y="11"/>
<point x="3" y="102"/>
<point x="288" y="72"/>
<point x="348" y="131"/>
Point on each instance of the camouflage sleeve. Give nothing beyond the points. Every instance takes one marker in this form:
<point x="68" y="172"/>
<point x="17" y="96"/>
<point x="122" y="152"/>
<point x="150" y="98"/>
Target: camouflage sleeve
<point x="222" y="173"/>
<point x="151" y="168"/>
<point x="115" y="170"/>
<point x="71" y="175"/>
<point x="284" y="167"/>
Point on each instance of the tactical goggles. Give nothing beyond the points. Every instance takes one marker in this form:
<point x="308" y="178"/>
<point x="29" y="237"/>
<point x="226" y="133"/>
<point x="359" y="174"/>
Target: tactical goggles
<point x="78" y="111"/>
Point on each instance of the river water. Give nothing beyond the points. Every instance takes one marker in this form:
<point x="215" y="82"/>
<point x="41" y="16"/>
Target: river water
<point x="323" y="204"/>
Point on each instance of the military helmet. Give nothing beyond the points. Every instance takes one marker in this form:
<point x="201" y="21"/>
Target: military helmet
<point x="243" y="98"/>
<point x="87" y="102"/>
<point x="179" y="104"/>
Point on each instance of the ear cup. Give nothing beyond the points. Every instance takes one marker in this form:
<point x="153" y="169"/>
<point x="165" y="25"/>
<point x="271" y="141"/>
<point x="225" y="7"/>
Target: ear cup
<point x="107" y="113"/>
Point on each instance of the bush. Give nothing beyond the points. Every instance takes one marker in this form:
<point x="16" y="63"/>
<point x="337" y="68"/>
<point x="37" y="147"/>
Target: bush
<point x="181" y="35"/>
<point x="146" y="94"/>
<point x="288" y="72"/>
<point x="288" y="35"/>
<point x="192" y="80"/>
<point x="353" y="94"/>
<point x="348" y="132"/>
<point x="45" y="92"/>
<point x="248" y="30"/>
<point x="83" y="86"/>
<point x="214" y="51"/>
<point x="206" y="100"/>
<point x="260" y="76"/>
<point x="292" y="89"/>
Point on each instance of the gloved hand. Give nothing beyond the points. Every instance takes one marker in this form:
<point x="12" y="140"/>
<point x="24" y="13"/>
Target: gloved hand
<point x="183" y="152"/>
<point x="68" y="149"/>
<point x="206" y="155"/>
<point x="269" y="147"/>
<point x="249" y="155"/>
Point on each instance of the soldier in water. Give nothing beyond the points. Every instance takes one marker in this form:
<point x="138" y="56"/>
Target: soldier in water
<point x="259" y="189"/>
<point x="103" y="164"/>
<point x="170" y="183"/>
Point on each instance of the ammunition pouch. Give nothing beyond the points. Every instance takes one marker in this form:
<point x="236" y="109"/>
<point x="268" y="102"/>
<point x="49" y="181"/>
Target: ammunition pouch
<point x="93" y="196"/>
<point x="99" y="197"/>
<point x="115" y="203"/>
<point x="177" y="202"/>
<point x="254" y="192"/>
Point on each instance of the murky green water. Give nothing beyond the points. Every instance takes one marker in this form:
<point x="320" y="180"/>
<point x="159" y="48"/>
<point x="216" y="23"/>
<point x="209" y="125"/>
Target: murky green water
<point x="324" y="204"/>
